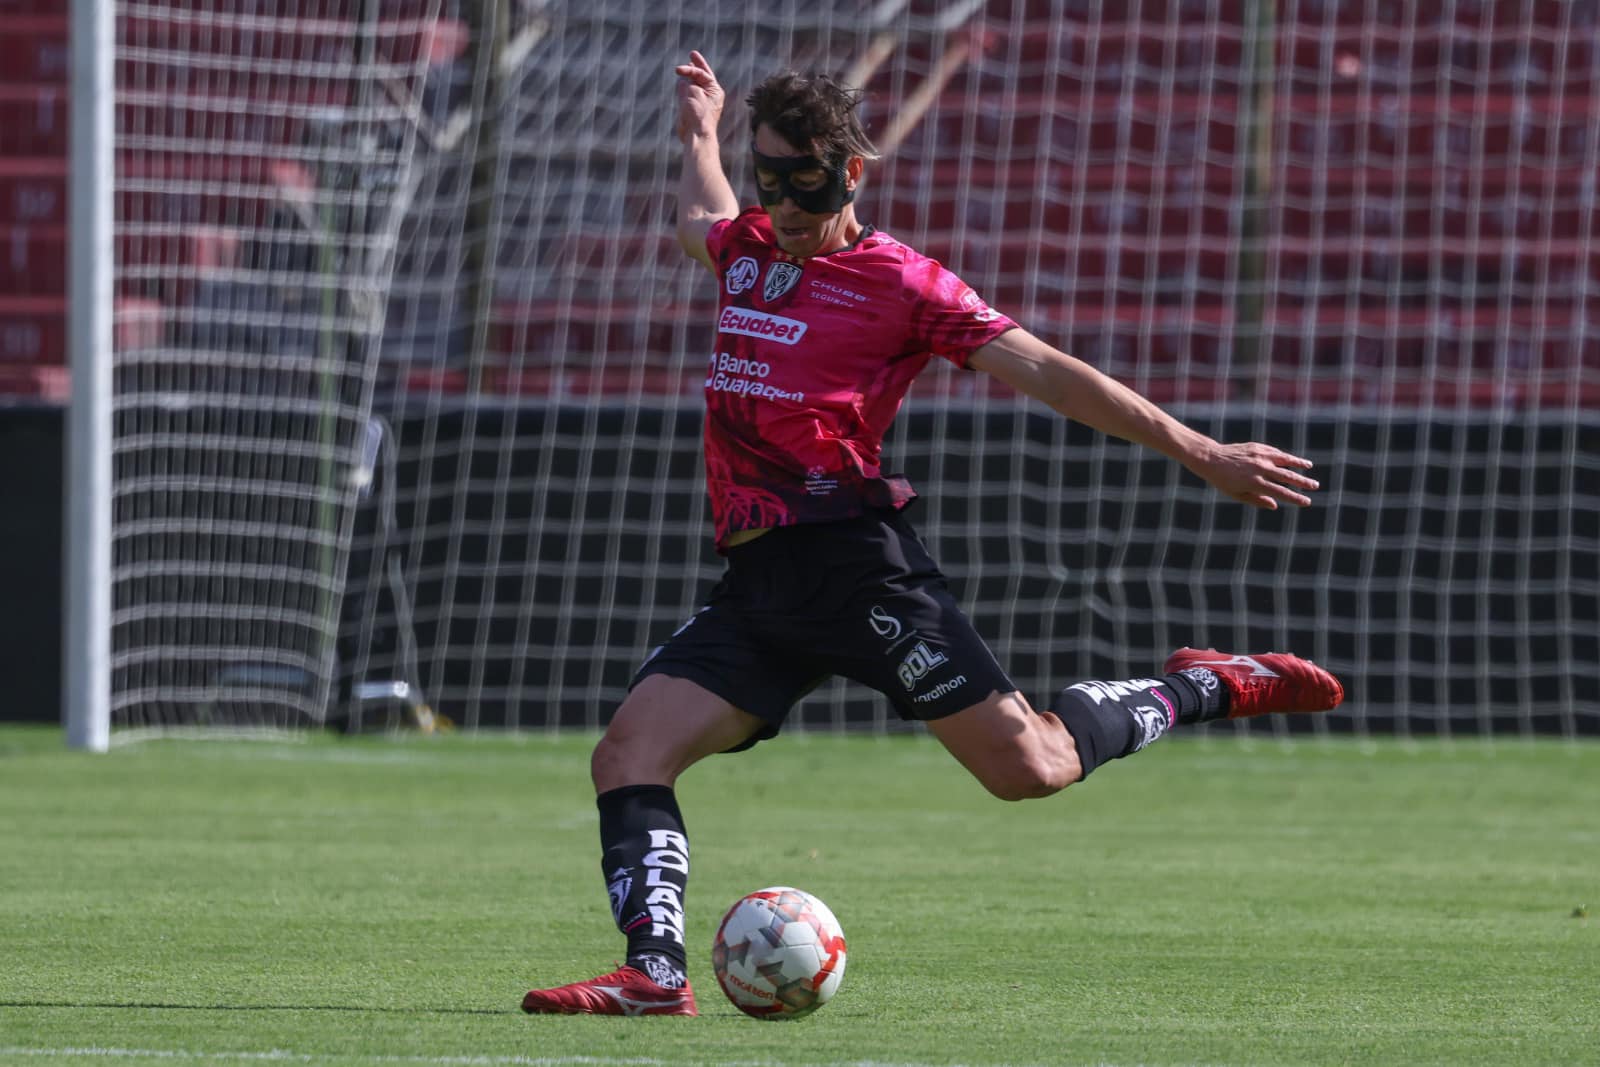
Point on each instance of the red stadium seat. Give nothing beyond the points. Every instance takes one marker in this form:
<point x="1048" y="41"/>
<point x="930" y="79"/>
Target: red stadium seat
<point x="1095" y="269"/>
<point x="1423" y="129"/>
<point x="1105" y="128"/>
<point x="1503" y="15"/>
<point x="23" y="8"/>
<point x="33" y="330"/>
<point x="223" y="124"/>
<point x="1513" y="342"/>
<point x="139" y="323"/>
<point x="33" y="260"/>
<point x="33" y="49"/>
<point x="166" y="263"/>
<point x="329" y="44"/>
<point x="1055" y="196"/>
<point x="1071" y="59"/>
<point x="1380" y="60"/>
<point x="327" y="10"/>
<point x="1148" y="12"/>
<point x="33" y="191"/>
<point x="560" y="333"/>
<point x="34" y="120"/>
<point x="39" y="385"/>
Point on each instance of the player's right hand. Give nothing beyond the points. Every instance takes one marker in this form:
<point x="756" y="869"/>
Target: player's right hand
<point x="700" y="98"/>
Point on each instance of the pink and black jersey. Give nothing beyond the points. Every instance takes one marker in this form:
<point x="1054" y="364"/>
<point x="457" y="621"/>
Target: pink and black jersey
<point x="812" y="360"/>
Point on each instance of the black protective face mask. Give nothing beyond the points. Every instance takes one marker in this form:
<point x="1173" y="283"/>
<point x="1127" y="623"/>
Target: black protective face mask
<point x="824" y="200"/>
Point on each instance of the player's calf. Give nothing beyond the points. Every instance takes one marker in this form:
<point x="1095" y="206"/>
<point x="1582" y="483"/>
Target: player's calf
<point x="1109" y="720"/>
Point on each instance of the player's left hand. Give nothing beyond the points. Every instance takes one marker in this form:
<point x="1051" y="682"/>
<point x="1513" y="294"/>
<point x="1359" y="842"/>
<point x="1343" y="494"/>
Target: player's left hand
<point x="700" y="99"/>
<point x="1257" y="474"/>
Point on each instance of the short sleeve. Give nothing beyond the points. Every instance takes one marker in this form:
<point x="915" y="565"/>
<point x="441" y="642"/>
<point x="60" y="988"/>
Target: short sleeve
<point x="948" y="317"/>
<point x="717" y="236"/>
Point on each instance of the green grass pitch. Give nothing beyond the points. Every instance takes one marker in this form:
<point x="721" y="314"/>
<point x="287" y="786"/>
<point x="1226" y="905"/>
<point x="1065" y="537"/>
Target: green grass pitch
<point x="1210" y="901"/>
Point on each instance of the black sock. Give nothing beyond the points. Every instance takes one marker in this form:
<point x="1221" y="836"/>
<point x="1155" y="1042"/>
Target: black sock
<point x="1109" y="720"/>
<point x="1206" y="699"/>
<point x="645" y="860"/>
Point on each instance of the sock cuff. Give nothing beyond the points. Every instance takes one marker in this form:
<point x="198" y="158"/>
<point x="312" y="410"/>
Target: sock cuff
<point x="1197" y="703"/>
<point x="616" y="802"/>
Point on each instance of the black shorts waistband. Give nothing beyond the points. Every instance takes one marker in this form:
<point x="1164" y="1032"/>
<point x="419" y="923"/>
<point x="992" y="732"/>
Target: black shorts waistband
<point x="852" y="526"/>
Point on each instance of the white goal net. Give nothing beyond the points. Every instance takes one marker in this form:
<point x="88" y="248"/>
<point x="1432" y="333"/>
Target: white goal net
<point x="416" y="402"/>
<point x="263" y="168"/>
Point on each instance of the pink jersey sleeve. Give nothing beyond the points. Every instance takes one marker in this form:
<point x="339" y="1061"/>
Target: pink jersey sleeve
<point x="717" y="235"/>
<point x="949" y="318"/>
<point x="724" y="231"/>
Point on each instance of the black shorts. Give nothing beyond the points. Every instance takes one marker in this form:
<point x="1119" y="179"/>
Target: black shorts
<point x="860" y="598"/>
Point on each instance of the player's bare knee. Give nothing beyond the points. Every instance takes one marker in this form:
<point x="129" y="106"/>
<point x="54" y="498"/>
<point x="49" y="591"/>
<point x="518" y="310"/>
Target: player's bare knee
<point x="621" y="758"/>
<point x="604" y="762"/>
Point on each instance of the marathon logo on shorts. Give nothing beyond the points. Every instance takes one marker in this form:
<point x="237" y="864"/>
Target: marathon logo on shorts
<point x="941" y="690"/>
<point x="760" y="324"/>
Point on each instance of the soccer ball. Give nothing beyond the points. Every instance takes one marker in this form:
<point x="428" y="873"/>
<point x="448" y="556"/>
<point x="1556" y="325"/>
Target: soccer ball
<point x="779" y="953"/>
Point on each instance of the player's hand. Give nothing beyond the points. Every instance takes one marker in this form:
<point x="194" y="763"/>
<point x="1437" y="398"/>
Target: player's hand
<point x="1258" y="474"/>
<point x="700" y="98"/>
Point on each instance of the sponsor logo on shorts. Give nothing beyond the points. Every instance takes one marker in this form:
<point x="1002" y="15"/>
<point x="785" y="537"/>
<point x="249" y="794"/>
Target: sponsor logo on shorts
<point x="762" y="325"/>
<point x="741" y="276"/>
<point x="883" y="624"/>
<point x="940" y="690"/>
<point x="918" y="662"/>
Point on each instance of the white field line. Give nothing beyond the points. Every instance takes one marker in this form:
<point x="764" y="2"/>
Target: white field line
<point x="286" y="1056"/>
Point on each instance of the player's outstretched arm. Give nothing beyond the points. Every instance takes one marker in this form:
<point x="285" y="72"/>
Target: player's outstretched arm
<point x="1251" y="472"/>
<point x="704" y="195"/>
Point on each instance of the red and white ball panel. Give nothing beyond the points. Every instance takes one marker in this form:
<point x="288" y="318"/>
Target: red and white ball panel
<point x="779" y="953"/>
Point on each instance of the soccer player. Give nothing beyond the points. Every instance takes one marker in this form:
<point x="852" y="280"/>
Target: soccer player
<point x="823" y="323"/>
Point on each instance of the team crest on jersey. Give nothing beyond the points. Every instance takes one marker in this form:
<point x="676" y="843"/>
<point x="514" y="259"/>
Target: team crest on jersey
<point x="781" y="277"/>
<point x="742" y="275"/>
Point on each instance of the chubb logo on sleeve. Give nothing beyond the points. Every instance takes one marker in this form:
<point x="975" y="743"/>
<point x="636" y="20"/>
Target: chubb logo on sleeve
<point x="762" y="325"/>
<point x="971" y="301"/>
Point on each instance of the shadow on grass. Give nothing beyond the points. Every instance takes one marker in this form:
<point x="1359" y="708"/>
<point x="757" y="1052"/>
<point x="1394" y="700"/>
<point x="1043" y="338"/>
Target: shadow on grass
<point x="361" y="1008"/>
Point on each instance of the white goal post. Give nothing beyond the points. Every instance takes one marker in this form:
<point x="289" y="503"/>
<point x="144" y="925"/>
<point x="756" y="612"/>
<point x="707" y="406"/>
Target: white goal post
<point x="86" y="682"/>
<point x="452" y="452"/>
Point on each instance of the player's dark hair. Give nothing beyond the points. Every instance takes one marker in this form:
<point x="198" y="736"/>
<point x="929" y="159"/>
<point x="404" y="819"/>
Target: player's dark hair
<point x="814" y="113"/>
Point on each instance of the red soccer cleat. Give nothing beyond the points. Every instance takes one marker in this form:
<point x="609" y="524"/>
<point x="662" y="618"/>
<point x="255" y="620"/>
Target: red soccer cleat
<point x="628" y="991"/>
<point x="1271" y="681"/>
